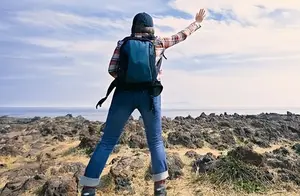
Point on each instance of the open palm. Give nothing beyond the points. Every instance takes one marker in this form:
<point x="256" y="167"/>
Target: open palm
<point x="200" y="16"/>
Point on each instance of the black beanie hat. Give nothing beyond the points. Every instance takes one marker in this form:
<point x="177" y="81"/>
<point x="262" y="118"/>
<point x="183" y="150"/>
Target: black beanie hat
<point x="142" y="19"/>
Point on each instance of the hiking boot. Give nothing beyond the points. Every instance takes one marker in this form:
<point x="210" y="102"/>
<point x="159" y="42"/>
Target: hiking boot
<point x="88" y="191"/>
<point x="160" y="190"/>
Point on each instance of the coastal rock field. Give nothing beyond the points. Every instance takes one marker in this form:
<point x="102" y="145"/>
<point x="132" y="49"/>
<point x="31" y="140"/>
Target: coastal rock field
<point x="208" y="155"/>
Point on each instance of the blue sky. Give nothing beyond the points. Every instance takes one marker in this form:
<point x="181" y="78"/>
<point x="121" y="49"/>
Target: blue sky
<point x="246" y="54"/>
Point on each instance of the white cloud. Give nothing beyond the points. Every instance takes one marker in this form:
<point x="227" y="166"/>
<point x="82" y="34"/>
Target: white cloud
<point x="20" y="77"/>
<point x="4" y="26"/>
<point x="58" y="20"/>
<point x="83" y="46"/>
<point x="265" y="39"/>
<point x="259" y="64"/>
<point x="98" y="6"/>
<point x="243" y="9"/>
<point x="271" y="86"/>
<point x="218" y="38"/>
<point x="213" y="38"/>
<point x="253" y="65"/>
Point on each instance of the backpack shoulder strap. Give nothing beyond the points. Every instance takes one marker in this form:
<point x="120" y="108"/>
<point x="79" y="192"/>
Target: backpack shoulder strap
<point x="128" y="38"/>
<point x="125" y="39"/>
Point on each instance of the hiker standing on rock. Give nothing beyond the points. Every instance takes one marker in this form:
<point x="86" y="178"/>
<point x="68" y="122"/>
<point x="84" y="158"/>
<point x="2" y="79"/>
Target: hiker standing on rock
<point x="136" y="67"/>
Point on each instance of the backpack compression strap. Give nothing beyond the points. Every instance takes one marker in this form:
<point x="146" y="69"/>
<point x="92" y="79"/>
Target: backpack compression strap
<point x="112" y="85"/>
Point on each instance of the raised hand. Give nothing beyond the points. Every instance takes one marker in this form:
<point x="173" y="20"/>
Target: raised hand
<point x="200" y="16"/>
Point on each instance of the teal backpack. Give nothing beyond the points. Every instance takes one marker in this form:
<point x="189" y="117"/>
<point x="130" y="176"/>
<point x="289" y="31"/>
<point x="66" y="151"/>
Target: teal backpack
<point x="137" y="69"/>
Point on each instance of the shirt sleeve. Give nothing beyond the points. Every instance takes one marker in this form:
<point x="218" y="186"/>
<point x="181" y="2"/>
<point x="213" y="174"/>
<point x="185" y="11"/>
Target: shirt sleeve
<point x="114" y="61"/>
<point x="167" y="42"/>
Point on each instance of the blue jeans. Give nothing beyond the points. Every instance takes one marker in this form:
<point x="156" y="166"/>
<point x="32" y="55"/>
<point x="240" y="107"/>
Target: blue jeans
<point x="122" y="106"/>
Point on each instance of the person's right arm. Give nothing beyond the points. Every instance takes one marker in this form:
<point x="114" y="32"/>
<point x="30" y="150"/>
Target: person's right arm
<point x="114" y="61"/>
<point x="167" y="42"/>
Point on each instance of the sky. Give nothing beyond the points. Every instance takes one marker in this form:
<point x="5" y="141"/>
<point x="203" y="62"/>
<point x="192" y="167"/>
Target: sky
<point x="246" y="55"/>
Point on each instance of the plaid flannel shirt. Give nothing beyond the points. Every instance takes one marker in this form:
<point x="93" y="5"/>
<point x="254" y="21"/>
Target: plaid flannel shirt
<point x="161" y="44"/>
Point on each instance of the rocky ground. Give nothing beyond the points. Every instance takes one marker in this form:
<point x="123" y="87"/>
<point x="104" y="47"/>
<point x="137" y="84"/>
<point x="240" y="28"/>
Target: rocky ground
<point x="208" y="155"/>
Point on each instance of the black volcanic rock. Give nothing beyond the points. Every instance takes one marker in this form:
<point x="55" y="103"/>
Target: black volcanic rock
<point x="29" y="138"/>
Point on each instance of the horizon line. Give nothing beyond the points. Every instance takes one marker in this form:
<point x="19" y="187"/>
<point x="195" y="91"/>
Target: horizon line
<point x="168" y="108"/>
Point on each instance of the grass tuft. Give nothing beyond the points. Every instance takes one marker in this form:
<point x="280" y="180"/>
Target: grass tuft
<point x="243" y="177"/>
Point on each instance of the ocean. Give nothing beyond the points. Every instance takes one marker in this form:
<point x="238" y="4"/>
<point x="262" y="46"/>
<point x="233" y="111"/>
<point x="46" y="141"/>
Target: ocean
<point x="101" y="114"/>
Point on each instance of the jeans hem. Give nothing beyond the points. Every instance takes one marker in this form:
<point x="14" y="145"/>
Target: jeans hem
<point x="85" y="181"/>
<point x="161" y="176"/>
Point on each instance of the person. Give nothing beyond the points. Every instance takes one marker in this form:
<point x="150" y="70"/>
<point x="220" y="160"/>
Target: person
<point x="125" y="101"/>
